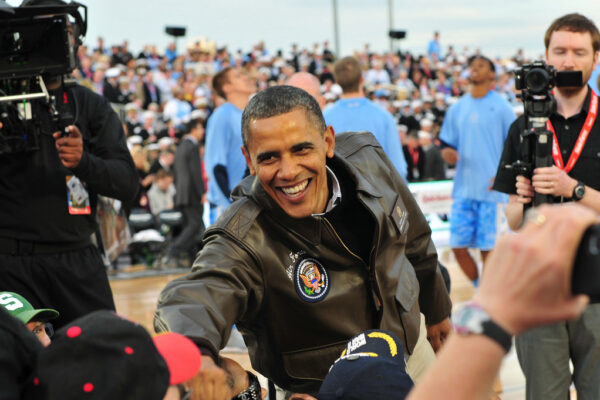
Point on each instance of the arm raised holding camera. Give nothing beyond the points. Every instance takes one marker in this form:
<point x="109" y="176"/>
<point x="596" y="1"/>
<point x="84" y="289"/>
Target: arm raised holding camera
<point x="527" y="283"/>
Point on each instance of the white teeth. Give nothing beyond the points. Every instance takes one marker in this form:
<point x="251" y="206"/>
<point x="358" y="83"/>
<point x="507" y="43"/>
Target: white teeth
<point x="294" y="190"/>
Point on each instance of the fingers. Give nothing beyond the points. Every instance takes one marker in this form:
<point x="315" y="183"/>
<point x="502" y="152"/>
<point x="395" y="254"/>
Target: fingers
<point x="69" y="148"/>
<point x="524" y="190"/>
<point x="435" y="341"/>
<point x="528" y="275"/>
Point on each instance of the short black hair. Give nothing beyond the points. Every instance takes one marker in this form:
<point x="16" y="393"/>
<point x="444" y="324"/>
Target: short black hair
<point x="484" y="58"/>
<point x="192" y="123"/>
<point x="278" y="100"/>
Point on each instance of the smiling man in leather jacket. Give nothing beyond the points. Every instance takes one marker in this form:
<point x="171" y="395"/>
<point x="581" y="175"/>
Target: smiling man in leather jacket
<point x="324" y="241"/>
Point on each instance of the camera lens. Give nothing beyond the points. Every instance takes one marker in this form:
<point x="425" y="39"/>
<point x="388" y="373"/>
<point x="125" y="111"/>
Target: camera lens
<point x="537" y="80"/>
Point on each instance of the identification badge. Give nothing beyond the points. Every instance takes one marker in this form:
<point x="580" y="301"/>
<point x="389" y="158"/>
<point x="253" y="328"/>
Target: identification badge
<point x="77" y="197"/>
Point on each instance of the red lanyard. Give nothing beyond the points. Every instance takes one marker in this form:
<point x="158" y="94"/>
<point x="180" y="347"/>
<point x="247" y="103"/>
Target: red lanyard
<point x="583" y="135"/>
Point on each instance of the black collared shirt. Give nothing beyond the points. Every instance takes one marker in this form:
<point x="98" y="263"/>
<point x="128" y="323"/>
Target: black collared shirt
<point x="587" y="168"/>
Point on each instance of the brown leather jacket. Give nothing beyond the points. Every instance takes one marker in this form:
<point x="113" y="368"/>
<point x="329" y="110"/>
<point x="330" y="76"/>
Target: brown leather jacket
<point x="248" y="274"/>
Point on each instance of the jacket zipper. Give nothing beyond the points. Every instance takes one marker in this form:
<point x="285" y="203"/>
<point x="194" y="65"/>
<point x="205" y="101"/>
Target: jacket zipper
<point x="374" y="290"/>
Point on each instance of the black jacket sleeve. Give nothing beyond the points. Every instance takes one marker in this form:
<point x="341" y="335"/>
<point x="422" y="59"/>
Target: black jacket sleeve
<point x="106" y="165"/>
<point x="506" y="177"/>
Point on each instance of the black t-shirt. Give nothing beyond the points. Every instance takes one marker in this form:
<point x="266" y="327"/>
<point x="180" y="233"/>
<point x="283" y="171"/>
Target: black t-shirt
<point x="587" y="168"/>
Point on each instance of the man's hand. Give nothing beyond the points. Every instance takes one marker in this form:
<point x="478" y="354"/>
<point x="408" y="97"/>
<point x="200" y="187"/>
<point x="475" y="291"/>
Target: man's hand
<point x="70" y="148"/>
<point x="438" y="333"/>
<point x="554" y="181"/>
<point x="450" y="155"/>
<point x="527" y="279"/>
<point x="524" y="190"/>
<point x="211" y="382"/>
<point x="215" y="383"/>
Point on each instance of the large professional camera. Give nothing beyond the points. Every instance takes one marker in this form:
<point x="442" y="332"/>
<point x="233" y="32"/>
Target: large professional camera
<point x="37" y="43"/>
<point x="536" y="82"/>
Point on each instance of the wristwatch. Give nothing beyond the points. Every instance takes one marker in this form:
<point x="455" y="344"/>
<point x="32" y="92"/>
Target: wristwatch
<point x="472" y="319"/>
<point x="578" y="191"/>
<point x="253" y="392"/>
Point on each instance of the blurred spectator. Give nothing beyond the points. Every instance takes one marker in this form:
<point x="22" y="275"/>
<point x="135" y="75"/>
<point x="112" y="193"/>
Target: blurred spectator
<point x="225" y="163"/>
<point x="354" y="112"/>
<point x="309" y="83"/>
<point x="111" y="88"/>
<point x="377" y="75"/>
<point x="189" y="197"/>
<point x="161" y="194"/>
<point x="415" y="160"/>
<point x="407" y="117"/>
<point x="177" y="109"/>
<point x="164" y="161"/>
<point x="473" y="135"/>
<point x="141" y="165"/>
<point x="434" y="48"/>
<point x="434" y="168"/>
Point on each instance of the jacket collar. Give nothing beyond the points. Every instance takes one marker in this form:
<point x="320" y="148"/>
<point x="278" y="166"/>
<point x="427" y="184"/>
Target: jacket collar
<point x="309" y="227"/>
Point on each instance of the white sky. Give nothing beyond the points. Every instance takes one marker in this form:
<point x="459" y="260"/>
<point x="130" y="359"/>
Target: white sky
<point x="498" y="27"/>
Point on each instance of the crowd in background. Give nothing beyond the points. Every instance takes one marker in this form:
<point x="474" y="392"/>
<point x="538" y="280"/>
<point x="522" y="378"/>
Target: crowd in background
<point x="157" y="91"/>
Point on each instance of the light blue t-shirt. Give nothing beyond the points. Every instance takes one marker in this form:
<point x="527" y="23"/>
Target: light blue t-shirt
<point x="477" y="129"/>
<point x="223" y="147"/>
<point x="361" y="114"/>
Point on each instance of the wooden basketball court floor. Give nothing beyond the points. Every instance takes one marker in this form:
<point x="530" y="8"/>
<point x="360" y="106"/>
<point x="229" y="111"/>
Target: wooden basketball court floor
<point x="136" y="298"/>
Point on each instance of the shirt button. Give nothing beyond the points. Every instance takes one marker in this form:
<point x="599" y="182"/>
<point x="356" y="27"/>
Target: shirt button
<point x="567" y="127"/>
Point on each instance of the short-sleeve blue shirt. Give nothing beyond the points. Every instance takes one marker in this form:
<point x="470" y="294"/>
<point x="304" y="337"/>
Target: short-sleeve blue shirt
<point x="361" y="114"/>
<point x="223" y="147"/>
<point x="477" y="129"/>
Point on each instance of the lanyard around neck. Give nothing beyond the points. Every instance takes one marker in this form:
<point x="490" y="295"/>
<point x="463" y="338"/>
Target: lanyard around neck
<point x="583" y="135"/>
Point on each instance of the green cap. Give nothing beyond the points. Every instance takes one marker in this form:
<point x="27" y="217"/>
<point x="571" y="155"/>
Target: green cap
<point x="21" y="309"/>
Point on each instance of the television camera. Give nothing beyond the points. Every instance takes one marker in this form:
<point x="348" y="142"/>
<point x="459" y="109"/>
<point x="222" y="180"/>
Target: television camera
<point x="37" y="43"/>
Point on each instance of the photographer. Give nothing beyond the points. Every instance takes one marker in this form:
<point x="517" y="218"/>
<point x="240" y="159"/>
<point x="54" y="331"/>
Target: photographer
<point x="572" y="43"/>
<point x="48" y="196"/>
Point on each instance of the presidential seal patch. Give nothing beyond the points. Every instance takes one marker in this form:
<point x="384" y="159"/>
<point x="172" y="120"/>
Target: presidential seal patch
<point x="311" y="280"/>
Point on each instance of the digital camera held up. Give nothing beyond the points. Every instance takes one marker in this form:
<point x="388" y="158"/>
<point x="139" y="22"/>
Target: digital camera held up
<point x="538" y="78"/>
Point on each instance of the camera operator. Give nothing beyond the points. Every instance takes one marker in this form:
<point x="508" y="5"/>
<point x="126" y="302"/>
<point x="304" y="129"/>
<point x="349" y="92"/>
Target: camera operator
<point x="572" y="43"/>
<point x="48" y="198"/>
